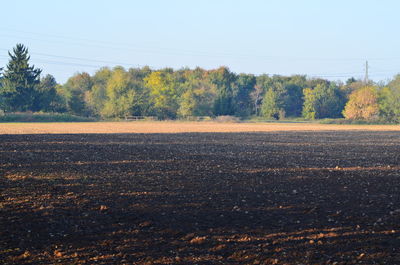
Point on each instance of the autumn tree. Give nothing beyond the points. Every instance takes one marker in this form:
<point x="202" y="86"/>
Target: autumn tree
<point x="362" y="104"/>
<point x="164" y="95"/>
<point x="20" y="81"/>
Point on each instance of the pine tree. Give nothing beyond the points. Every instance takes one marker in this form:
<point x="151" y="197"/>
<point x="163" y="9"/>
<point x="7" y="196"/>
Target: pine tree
<point x="20" y="81"/>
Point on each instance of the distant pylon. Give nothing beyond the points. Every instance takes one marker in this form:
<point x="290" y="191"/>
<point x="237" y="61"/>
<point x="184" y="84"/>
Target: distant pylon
<point x="366" y="73"/>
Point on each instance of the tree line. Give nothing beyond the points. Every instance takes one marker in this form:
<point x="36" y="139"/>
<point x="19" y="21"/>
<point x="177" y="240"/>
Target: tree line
<point x="170" y="94"/>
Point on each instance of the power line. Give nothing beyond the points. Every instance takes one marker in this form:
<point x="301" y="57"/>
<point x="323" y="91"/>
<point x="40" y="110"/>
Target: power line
<point x="66" y="63"/>
<point x="84" y="59"/>
<point x="119" y="63"/>
<point x="169" y="51"/>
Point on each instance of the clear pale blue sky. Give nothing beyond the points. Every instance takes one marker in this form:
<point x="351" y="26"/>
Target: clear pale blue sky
<point x="331" y="39"/>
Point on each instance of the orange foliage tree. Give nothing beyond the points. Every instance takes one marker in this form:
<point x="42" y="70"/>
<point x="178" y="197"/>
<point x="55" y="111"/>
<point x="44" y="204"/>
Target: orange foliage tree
<point x="362" y="104"/>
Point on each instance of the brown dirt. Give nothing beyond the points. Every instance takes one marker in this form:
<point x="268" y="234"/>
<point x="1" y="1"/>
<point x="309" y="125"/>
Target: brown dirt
<point x="177" y="127"/>
<point x="310" y="197"/>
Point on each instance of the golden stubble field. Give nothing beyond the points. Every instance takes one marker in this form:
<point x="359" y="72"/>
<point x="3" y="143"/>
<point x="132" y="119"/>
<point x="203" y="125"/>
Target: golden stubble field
<point x="177" y="127"/>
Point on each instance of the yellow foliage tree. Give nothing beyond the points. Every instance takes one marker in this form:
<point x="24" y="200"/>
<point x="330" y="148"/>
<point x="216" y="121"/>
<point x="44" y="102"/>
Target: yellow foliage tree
<point x="362" y="104"/>
<point x="163" y="92"/>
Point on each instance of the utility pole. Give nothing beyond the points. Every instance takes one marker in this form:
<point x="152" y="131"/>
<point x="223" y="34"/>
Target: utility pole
<point x="366" y="73"/>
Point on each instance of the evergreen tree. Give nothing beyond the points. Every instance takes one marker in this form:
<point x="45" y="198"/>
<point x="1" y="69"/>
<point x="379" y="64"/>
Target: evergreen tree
<point x="20" y="81"/>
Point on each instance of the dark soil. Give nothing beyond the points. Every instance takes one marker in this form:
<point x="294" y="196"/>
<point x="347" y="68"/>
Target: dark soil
<point x="200" y="198"/>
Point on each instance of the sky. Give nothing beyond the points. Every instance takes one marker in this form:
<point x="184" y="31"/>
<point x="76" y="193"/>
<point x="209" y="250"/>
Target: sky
<point x="319" y="38"/>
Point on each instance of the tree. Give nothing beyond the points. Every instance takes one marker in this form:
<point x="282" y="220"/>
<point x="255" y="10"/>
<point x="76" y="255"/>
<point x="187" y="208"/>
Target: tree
<point x="188" y="102"/>
<point x="163" y="93"/>
<point x="362" y="104"/>
<point x="20" y="81"/>
<point x="120" y="94"/>
<point x="2" y="100"/>
<point x="292" y="100"/>
<point x="388" y="104"/>
<point x="76" y="93"/>
<point x="286" y="92"/>
<point x="351" y="85"/>
<point x="47" y="98"/>
<point x="309" y="108"/>
<point x="97" y="95"/>
<point x="242" y="89"/>
<point x="389" y="101"/>
<point x="324" y="101"/>
<point x="198" y="96"/>
<point x="143" y="104"/>
<point x="223" y="80"/>
<point x="256" y="98"/>
<point x="270" y="106"/>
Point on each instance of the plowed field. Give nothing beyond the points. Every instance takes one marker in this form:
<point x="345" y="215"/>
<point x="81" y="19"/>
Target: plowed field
<point x="277" y="197"/>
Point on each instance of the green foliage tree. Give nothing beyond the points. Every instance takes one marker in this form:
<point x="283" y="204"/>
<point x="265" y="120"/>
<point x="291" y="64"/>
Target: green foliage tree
<point x="20" y="81"/>
<point x="242" y="89"/>
<point x="120" y="94"/>
<point x="2" y="99"/>
<point x="143" y="104"/>
<point x="47" y="98"/>
<point x="187" y="104"/>
<point x="97" y="95"/>
<point x="223" y="80"/>
<point x="270" y="106"/>
<point x="292" y="100"/>
<point x="198" y="96"/>
<point x="258" y="94"/>
<point x="309" y="107"/>
<point x="75" y="93"/>
<point x="389" y="101"/>
<point x="287" y="93"/>
<point x="324" y="101"/>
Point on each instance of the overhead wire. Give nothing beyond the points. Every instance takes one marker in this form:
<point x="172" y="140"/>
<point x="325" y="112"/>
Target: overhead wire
<point x="66" y="60"/>
<point x="159" y="49"/>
